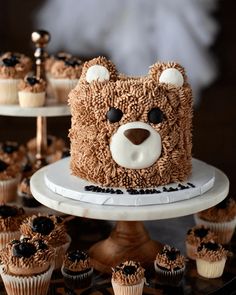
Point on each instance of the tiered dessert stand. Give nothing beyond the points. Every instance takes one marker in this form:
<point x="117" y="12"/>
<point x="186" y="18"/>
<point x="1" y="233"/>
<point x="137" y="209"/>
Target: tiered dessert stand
<point x="129" y="239"/>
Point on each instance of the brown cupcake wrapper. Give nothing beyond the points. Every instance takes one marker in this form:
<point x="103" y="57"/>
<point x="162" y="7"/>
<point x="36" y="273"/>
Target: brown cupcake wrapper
<point x="169" y="277"/>
<point x="79" y="281"/>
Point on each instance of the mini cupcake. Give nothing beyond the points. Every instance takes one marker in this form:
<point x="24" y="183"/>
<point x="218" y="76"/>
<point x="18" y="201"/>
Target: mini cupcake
<point x="26" y="61"/>
<point x="27" y="267"/>
<point x="221" y="219"/>
<point x="77" y="270"/>
<point x="128" y="278"/>
<point x="58" y="155"/>
<point x="51" y="229"/>
<point x="11" y="71"/>
<point x="169" y="266"/>
<point x="210" y="260"/>
<point x="195" y="236"/>
<point x="9" y="178"/>
<point x="32" y="92"/>
<point x="12" y="153"/>
<point x="53" y="58"/>
<point x="24" y="192"/>
<point x="64" y="77"/>
<point x="10" y="220"/>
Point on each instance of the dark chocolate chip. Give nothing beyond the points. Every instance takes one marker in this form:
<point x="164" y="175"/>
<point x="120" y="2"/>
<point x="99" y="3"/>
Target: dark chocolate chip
<point x="7" y="211"/>
<point x="32" y="80"/>
<point x="201" y="232"/>
<point x="43" y="225"/>
<point x="10" y="62"/>
<point x="129" y="270"/>
<point x="24" y="249"/>
<point x="10" y="148"/>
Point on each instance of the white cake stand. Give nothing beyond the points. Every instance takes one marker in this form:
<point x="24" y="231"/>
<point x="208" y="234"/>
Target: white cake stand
<point x="129" y="239"/>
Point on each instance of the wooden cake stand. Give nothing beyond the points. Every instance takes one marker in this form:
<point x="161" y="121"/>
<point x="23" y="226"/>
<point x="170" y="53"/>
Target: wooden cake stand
<point x="129" y="239"/>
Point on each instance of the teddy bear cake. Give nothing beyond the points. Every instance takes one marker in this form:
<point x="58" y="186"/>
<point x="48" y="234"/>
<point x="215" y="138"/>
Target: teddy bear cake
<point x="131" y="132"/>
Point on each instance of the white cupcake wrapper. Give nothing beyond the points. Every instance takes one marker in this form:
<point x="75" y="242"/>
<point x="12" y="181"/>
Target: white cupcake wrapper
<point x="36" y="284"/>
<point x="128" y="290"/>
<point x="8" y="189"/>
<point x="62" y="87"/>
<point x="209" y="269"/>
<point x="9" y="91"/>
<point x="60" y="253"/>
<point x="6" y="237"/>
<point x="32" y="100"/>
<point x="223" y="230"/>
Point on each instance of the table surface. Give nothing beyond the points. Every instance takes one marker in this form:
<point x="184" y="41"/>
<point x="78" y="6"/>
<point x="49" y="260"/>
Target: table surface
<point x="106" y="212"/>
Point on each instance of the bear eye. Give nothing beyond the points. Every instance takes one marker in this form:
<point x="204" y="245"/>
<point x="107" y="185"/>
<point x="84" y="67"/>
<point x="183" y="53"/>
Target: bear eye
<point x="155" y="116"/>
<point x="114" y="115"/>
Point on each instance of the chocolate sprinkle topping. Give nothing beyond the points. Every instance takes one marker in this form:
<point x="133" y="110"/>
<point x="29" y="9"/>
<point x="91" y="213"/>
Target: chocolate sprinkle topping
<point x="10" y="148"/>
<point x="209" y="246"/>
<point x="201" y="232"/>
<point x="10" y="62"/>
<point x="77" y="255"/>
<point x="42" y="225"/>
<point x="32" y="80"/>
<point x="129" y="270"/>
<point x="24" y="249"/>
<point x="3" y="166"/>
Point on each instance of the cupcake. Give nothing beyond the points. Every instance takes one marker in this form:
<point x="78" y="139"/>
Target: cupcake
<point x="58" y="155"/>
<point x="9" y="178"/>
<point x="77" y="270"/>
<point x="26" y="267"/>
<point x="195" y="236"/>
<point x="24" y="60"/>
<point x="128" y="278"/>
<point x="51" y="229"/>
<point x="221" y="219"/>
<point x="32" y="92"/>
<point x="24" y="192"/>
<point x="210" y="260"/>
<point x="11" y="71"/>
<point x="53" y="58"/>
<point x="12" y="153"/>
<point x="169" y="266"/>
<point x="64" y="77"/>
<point x="10" y="220"/>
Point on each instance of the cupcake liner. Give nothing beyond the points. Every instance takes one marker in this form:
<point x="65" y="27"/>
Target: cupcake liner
<point x="29" y="99"/>
<point x="223" y="230"/>
<point x="128" y="290"/>
<point x="209" y="269"/>
<point x="22" y="285"/>
<point x="62" y="87"/>
<point x="9" y="91"/>
<point x="8" y="190"/>
<point x="78" y="281"/>
<point x="60" y="252"/>
<point x="169" y="277"/>
<point x="191" y="250"/>
<point x="6" y="237"/>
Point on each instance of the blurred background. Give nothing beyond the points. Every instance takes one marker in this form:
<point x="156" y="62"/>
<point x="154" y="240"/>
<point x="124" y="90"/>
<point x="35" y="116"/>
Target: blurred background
<point x="199" y="34"/>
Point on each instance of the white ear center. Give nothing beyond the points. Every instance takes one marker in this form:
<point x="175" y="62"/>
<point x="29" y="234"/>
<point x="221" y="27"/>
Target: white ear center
<point x="172" y="76"/>
<point x="97" y="73"/>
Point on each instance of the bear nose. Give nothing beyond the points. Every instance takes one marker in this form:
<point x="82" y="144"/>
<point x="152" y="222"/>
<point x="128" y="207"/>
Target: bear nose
<point x="137" y="135"/>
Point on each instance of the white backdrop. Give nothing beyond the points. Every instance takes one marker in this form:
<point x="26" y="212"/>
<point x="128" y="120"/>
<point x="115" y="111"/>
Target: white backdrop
<point x="136" y="33"/>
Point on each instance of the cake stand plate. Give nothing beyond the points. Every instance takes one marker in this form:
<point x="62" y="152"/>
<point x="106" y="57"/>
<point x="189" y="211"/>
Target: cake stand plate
<point x="129" y="239"/>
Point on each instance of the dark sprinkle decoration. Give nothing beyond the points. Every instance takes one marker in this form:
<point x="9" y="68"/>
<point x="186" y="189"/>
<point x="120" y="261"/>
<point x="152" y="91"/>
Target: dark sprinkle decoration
<point x="10" y="148"/>
<point x="41" y="245"/>
<point x="10" y="62"/>
<point x="201" y="232"/>
<point x="171" y="254"/>
<point x="72" y="62"/>
<point x="3" y="166"/>
<point x="114" y="115"/>
<point x="96" y="189"/>
<point x="32" y="80"/>
<point x="24" y="249"/>
<point x="129" y="270"/>
<point x="209" y="246"/>
<point x="7" y="211"/>
<point x="77" y="255"/>
<point x="43" y="225"/>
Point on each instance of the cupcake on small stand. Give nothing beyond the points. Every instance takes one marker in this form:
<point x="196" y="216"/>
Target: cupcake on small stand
<point x="221" y="219"/>
<point x="128" y="278"/>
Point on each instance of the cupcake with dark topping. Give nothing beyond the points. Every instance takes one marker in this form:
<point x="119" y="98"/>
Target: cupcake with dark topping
<point x="50" y="228"/>
<point x="10" y="220"/>
<point x="32" y="92"/>
<point x="12" y="152"/>
<point x="64" y="77"/>
<point x="59" y="154"/>
<point x="24" y="192"/>
<point x="169" y="266"/>
<point x="195" y="236"/>
<point x="221" y="219"/>
<point x="9" y="178"/>
<point x="210" y="259"/>
<point x="26" y="266"/>
<point x="77" y="270"/>
<point x="128" y="278"/>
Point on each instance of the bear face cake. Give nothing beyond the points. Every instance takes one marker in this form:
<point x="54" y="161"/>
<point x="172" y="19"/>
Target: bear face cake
<point x="131" y="132"/>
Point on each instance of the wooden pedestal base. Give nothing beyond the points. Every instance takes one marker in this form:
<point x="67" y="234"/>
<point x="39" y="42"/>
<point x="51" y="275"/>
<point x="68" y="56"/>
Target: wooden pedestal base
<point x="129" y="240"/>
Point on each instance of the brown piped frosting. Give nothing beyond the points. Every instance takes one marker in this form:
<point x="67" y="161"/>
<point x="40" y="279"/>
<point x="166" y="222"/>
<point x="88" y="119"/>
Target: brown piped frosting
<point x="211" y="251"/>
<point x="13" y="66"/>
<point x="198" y="234"/>
<point x="67" y="69"/>
<point x="128" y="273"/>
<point x="27" y="257"/>
<point x="47" y="227"/>
<point x="170" y="259"/>
<point x="76" y="261"/>
<point x="91" y="132"/>
<point x="222" y="212"/>
<point x="10" y="218"/>
<point x="32" y="84"/>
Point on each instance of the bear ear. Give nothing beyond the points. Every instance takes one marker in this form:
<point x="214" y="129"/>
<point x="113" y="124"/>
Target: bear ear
<point x="98" y="69"/>
<point x="169" y="73"/>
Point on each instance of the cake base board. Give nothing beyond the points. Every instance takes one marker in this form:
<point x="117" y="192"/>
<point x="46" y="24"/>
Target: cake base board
<point x="201" y="180"/>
